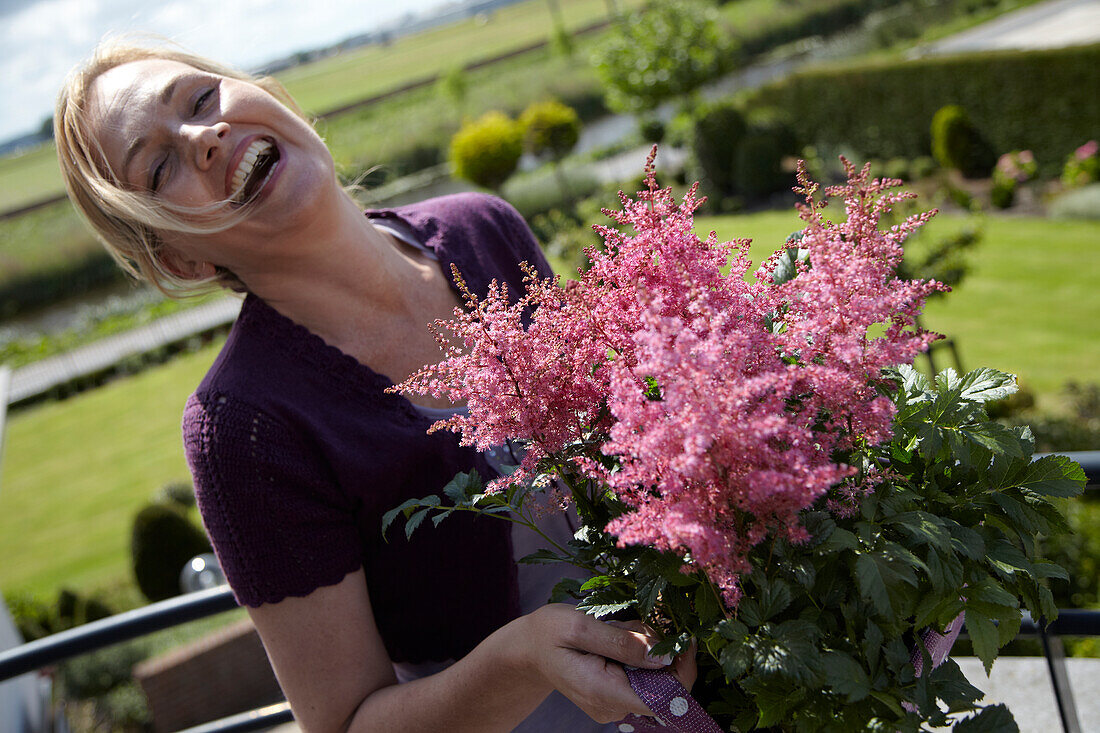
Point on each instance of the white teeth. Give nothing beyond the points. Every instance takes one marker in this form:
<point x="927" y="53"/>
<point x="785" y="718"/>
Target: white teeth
<point x="248" y="160"/>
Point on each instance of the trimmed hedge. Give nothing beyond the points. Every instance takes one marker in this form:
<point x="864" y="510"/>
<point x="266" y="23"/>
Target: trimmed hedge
<point x="1038" y="100"/>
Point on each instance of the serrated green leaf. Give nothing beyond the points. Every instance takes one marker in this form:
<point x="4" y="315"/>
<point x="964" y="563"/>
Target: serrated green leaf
<point x="566" y="589"/>
<point x="991" y="719"/>
<point x="599" y="610"/>
<point x="404" y="507"/>
<point x="872" y="584"/>
<point x="983" y="637"/>
<point x="986" y="385"/>
<point x="462" y="487"/>
<point x="839" y="539"/>
<point x="735" y="659"/>
<point x="991" y="436"/>
<point x="1048" y="569"/>
<point x="1053" y="476"/>
<point x="542" y="556"/>
<point x="965" y="540"/>
<point x="441" y="516"/>
<point x="732" y="629"/>
<point x="414" y="521"/>
<point x="952" y="686"/>
<point x="923" y="528"/>
<point x="846" y="676"/>
<point x="1007" y="559"/>
<point x="991" y="592"/>
<point x="913" y="382"/>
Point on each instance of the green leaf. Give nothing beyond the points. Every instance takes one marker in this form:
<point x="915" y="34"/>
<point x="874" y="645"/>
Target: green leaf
<point x="732" y="629"/>
<point x="991" y="719"/>
<point x="912" y="381"/>
<point x="965" y="540"/>
<point x="993" y="437"/>
<point x="735" y="659"/>
<point x="923" y="528"/>
<point x="462" y="487"/>
<point x="872" y="584"/>
<point x="565" y="590"/>
<point x="414" y="521"/>
<point x="543" y="556"/>
<point x="599" y="610"/>
<point x="983" y="637"/>
<point x="1054" y="476"/>
<point x="952" y="686"/>
<point x="1006" y="559"/>
<point x="441" y="516"/>
<point x="986" y="385"/>
<point x="846" y="676"/>
<point x="388" y="517"/>
<point x="839" y="539"/>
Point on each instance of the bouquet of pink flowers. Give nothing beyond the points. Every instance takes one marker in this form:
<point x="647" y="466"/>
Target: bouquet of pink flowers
<point x="752" y="466"/>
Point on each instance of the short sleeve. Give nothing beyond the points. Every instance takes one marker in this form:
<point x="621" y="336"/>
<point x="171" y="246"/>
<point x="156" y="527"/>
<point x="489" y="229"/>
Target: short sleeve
<point x="279" y="524"/>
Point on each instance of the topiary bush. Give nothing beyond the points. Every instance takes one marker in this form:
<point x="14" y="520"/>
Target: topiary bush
<point x="487" y="150"/>
<point x="180" y="493"/>
<point x="958" y="144"/>
<point x="163" y="541"/>
<point x="718" y="130"/>
<point x="550" y="128"/>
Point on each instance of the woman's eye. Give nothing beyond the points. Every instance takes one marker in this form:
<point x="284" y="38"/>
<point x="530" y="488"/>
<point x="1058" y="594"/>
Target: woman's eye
<point x="158" y="176"/>
<point x="203" y="100"/>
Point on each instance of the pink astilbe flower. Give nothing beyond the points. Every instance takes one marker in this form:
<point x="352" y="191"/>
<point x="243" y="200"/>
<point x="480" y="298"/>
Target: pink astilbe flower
<point x="723" y="401"/>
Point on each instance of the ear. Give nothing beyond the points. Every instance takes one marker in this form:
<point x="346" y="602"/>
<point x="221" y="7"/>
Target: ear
<point x="183" y="266"/>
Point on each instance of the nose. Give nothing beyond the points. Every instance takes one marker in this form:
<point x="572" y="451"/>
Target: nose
<point x="207" y="142"/>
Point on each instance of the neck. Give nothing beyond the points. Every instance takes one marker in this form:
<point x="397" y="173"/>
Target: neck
<point x="344" y="275"/>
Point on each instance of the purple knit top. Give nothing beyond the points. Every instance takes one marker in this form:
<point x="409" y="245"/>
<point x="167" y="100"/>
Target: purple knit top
<point x="296" y="452"/>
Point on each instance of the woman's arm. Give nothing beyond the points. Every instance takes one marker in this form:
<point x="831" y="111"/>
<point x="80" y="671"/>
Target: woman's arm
<point x="334" y="669"/>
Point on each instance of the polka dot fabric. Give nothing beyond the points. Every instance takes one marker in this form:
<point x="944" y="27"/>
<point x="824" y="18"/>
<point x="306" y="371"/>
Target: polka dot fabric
<point x="675" y="710"/>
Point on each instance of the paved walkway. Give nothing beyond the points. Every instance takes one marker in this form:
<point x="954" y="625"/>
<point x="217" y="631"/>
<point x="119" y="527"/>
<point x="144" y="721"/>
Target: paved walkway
<point x="41" y="376"/>
<point x="1052" y="24"/>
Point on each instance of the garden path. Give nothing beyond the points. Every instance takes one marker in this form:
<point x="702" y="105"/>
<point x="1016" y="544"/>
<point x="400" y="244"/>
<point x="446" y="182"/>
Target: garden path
<point x="1052" y="24"/>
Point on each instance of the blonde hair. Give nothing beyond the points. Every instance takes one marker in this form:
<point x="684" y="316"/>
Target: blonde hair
<point x="127" y="221"/>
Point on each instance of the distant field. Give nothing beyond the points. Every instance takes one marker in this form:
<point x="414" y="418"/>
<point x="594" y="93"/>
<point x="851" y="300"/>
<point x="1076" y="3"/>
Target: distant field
<point x="361" y="73"/>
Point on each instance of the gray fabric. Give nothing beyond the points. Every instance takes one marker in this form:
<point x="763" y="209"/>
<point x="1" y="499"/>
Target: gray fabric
<point x="556" y="713"/>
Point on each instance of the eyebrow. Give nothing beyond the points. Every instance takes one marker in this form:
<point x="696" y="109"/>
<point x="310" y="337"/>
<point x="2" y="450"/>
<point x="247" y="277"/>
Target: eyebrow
<point x="164" y="98"/>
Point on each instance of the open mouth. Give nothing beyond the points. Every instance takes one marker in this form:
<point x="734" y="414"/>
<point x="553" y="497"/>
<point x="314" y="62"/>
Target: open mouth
<point x="254" y="170"/>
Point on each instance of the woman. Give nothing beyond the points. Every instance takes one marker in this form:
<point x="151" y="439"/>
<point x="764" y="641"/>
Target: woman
<point x="196" y="176"/>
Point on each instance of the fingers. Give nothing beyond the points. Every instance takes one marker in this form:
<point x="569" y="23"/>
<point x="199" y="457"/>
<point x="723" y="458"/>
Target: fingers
<point x="684" y="667"/>
<point x="625" y="645"/>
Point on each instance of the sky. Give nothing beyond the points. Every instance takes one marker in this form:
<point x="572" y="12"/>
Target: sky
<point x="41" y="40"/>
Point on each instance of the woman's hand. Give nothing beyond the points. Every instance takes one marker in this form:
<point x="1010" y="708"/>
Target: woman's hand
<point x="580" y="656"/>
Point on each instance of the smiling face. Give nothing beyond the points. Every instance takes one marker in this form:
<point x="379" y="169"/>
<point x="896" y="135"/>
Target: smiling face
<point x="196" y="139"/>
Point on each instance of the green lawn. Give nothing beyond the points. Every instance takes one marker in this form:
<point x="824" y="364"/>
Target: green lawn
<point x="29" y="177"/>
<point x="75" y="472"/>
<point x="1029" y="306"/>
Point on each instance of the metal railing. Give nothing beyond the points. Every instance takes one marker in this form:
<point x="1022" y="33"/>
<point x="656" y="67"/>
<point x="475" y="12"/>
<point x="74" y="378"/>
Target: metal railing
<point x="193" y="606"/>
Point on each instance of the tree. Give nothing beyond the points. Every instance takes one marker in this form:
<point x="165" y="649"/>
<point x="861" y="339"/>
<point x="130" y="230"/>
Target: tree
<point x="487" y="150"/>
<point x="671" y="49"/>
<point x="454" y="86"/>
<point x="551" y="129"/>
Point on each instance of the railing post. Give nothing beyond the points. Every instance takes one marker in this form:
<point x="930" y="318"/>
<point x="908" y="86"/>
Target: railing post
<point x="1055" y="653"/>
